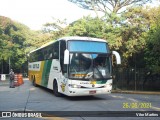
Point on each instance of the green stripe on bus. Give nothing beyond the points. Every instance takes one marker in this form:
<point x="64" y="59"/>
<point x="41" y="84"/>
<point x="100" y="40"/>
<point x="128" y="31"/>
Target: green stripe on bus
<point x="46" y="71"/>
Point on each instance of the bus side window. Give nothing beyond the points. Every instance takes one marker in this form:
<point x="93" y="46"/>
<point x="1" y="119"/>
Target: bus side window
<point x="40" y="55"/>
<point x="55" y="50"/>
<point x="62" y="49"/>
<point x="49" y="53"/>
<point x="45" y="54"/>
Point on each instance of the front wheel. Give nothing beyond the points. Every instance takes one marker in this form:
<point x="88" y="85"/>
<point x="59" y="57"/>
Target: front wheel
<point x="55" y="89"/>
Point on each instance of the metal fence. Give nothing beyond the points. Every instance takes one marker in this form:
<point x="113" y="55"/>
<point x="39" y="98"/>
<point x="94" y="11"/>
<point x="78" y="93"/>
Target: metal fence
<point x="135" y="79"/>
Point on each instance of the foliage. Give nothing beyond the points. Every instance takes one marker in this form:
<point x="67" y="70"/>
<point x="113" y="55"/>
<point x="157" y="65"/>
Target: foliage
<point x="134" y="34"/>
<point x="87" y="26"/>
<point x="16" y="40"/>
<point x="57" y="28"/>
<point x="152" y="56"/>
<point x="108" y="6"/>
<point x="126" y="33"/>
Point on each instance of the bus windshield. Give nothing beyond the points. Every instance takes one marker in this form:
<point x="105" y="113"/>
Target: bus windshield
<point x="87" y="46"/>
<point x="89" y="66"/>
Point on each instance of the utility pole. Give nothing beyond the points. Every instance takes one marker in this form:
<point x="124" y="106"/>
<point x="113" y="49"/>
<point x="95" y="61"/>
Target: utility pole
<point x="9" y="64"/>
<point x="2" y="67"/>
<point x="135" y="68"/>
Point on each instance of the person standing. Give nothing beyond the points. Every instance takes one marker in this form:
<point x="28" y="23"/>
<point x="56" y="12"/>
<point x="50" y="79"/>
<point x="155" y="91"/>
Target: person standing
<point x="11" y="75"/>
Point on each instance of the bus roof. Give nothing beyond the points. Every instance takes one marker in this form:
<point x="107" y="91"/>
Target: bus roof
<point x="82" y="38"/>
<point x="70" y="38"/>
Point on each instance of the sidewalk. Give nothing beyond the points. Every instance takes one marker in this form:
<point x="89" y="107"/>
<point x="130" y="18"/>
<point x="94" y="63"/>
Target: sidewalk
<point x="4" y="85"/>
<point x="136" y="92"/>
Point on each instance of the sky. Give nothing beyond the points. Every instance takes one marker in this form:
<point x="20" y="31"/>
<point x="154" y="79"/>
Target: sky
<point x="35" y="13"/>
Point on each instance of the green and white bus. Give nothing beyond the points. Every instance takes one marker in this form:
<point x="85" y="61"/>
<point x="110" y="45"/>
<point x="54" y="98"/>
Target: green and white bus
<point x="73" y="66"/>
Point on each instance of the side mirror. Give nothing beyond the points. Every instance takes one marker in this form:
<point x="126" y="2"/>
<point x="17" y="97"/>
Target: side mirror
<point x="66" y="57"/>
<point x="118" y="58"/>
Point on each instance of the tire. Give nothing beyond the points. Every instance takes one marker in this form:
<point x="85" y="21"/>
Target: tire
<point x="34" y="82"/>
<point x="55" y="90"/>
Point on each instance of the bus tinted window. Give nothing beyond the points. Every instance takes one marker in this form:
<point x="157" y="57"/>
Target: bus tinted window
<point x="62" y="49"/>
<point x="46" y="53"/>
<point x="39" y="55"/>
<point x="55" y="50"/>
<point x="88" y="46"/>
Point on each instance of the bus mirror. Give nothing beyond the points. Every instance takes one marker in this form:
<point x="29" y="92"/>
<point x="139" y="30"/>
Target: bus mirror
<point x="66" y="57"/>
<point x="118" y="58"/>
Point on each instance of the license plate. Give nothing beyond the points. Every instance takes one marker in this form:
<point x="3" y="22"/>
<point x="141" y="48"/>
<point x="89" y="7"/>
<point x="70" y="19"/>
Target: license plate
<point x="92" y="92"/>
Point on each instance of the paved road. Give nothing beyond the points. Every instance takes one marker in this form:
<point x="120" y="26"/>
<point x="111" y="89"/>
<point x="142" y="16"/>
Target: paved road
<point x="29" y="98"/>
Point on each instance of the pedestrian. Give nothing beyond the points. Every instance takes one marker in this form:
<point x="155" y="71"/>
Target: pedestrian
<point x="11" y="75"/>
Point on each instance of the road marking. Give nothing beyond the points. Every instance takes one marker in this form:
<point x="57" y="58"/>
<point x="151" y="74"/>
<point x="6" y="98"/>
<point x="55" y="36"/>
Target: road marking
<point x="116" y="96"/>
<point x="32" y="89"/>
<point x="131" y="99"/>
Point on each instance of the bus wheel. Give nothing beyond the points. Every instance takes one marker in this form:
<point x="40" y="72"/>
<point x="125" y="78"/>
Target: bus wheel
<point x="55" y="89"/>
<point x="34" y="82"/>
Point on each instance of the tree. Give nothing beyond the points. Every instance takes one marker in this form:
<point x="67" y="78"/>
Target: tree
<point x="112" y="9"/>
<point x="14" y="44"/>
<point x="87" y="26"/>
<point x="152" y="56"/>
<point x="127" y="33"/>
<point x="108" y="6"/>
<point x="56" y="29"/>
<point x="56" y="25"/>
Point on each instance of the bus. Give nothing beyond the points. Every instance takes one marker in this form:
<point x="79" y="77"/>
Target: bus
<point x="73" y="66"/>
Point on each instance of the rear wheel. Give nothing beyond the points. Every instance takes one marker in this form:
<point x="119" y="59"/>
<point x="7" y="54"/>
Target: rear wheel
<point x="55" y="89"/>
<point x="34" y="82"/>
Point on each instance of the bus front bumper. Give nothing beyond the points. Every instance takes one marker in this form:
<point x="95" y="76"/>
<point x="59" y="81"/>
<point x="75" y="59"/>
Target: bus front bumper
<point x="88" y="91"/>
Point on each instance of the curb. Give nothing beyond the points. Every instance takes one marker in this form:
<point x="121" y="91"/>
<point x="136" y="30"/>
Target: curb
<point x="136" y="92"/>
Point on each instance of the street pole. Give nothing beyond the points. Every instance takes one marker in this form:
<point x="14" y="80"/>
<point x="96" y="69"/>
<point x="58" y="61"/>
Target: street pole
<point x="9" y="64"/>
<point x="2" y="66"/>
<point x="135" y="74"/>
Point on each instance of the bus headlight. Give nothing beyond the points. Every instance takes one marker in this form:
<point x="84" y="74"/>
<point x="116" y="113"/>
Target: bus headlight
<point x="109" y="85"/>
<point x="74" y="86"/>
